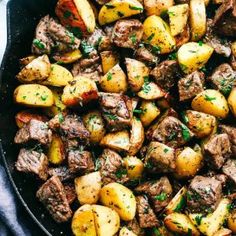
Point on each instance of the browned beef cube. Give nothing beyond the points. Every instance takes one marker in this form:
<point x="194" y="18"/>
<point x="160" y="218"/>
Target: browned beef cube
<point x="144" y="55"/>
<point x="127" y="33"/>
<point x="145" y="214"/>
<point x="53" y="197"/>
<point x="62" y="172"/>
<point x="111" y="167"/>
<point x="166" y="74"/>
<point x="117" y="110"/>
<point x="135" y="227"/>
<point x="229" y="168"/>
<point x="204" y="194"/>
<point x="160" y="158"/>
<point x="35" y="130"/>
<point x="191" y="85"/>
<point x="223" y="78"/>
<point x="80" y="161"/>
<point x="94" y="38"/>
<point x="158" y="191"/>
<point x="30" y="161"/>
<point x="70" y="192"/>
<point x="231" y="131"/>
<point x="170" y="131"/>
<point x="217" y="150"/>
<point x="70" y="126"/>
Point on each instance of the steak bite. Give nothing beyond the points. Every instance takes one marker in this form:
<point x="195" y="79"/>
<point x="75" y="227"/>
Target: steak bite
<point x="35" y="130"/>
<point x="158" y="191"/>
<point x="52" y="195"/>
<point x="191" y="85"/>
<point x="70" y="192"/>
<point x="204" y="194"/>
<point x="217" y="150"/>
<point x="30" y="161"/>
<point x="117" y="110"/>
<point x="134" y="226"/>
<point x="127" y="33"/>
<point x="144" y="55"/>
<point x="145" y="214"/>
<point x="229" y="168"/>
<point x="62" y="172"/>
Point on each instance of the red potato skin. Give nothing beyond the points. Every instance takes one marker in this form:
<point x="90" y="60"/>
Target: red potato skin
<point x="73" y="19"/>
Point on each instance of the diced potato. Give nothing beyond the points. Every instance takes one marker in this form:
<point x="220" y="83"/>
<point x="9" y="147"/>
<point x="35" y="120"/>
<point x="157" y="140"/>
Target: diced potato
<point x="178" y="16"/>
<point x="232" y="101"/>
<point x="149" y="112"/>
<point x="223" y="232"/>
<point x="116" y="140"/>
<point x="68" y="57"/>
<point x="211" y="223"/>
<point x="197" y="19"/>
<point x="177" y="203"/>
<point x="77" y="14"/>
<point x="232" y="221"/>
<point x="150" y="91"/>
<point x="80" y="91"/>
<point x="119" y="198"/>
<point x="136" y="71"/>
<point x="109" y="60"/>
<point x="33" y="95"/>
<point x="134" y="167"/>
<point x="114" y="81"/>
<point x="26" y="60"/>
<point x="136" y="136"/>
<point x="157" y="7"/>
<point x="180" y="223"/>
<point x="116" y="9"/>
<point x="233" y="48"/>
<point x="94" y="123"/>
<point x="193" y="56"/>
<point x="88" y="188"/>
<point x="157" y="33"/>
<point x="211" y="102"/>
<point x="126" y="232"/>
<point x="188" y="163"/>
<point x="37" y="70"/>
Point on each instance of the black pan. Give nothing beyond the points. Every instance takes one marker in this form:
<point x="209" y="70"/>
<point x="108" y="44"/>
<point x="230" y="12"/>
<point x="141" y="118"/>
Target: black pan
<point x="22" y="18"/>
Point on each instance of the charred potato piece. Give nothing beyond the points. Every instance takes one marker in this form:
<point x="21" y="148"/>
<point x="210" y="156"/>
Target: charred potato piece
<point x="134" y="167"/>
<point x="109" y="60"/>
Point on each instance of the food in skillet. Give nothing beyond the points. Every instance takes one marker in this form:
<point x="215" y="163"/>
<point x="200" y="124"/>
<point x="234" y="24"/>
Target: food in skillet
<point x="128" y="118"/>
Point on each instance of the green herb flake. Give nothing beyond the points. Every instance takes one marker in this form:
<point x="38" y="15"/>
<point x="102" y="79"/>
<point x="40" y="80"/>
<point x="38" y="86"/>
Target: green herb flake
<point x="86" y="48"/>
<point x="172" y="56"/>
<point x="185" y="118"/>
<point x="76" y="31"/>
<point x="120" y="14"/>
<point x="133" y="38"/>
<point x="44" y="97"/>
<point x="109" y="76"/>
<point x="200" y="43"/>
<point x="185" y="132"/>
<point x="183" y="67"/>
<point x="110" y="116"/>
<point x="109" y="6"/>
<point x="60" y="118"/>
<point x="71" y="36"/>
<point x="135" y="8"/>
<point x="161" y="197"/>
<point x="180" y="205"/>
<point x="198" y="219"/>
<point x="150" y="37"/>
<point x="156" y="232"/>
<point x="156" y="49"/>
<point x="166" y="150"/>
<point x="120" y="173"/>
<point x="37" y="43"/>
<point x="146" y="86"/>
<point x="138" y="111"/>
<point x="208" y="98"/>
<point x="171" y="13"/>
<point x="97" y="164"/>
<point x="67" y="14"/>
<point x="24" y="97"/>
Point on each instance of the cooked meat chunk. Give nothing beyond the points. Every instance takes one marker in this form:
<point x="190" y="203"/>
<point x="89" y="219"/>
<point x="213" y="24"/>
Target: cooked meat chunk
<point x="191" y="85"/>
<point x="170" y="131"/>
<point x="42" y="44"/>
<point x="220" y="46"/>
<point x="217" y="150"/>
<point x="53" y="196"/>
<point x="166" y="74"/>
<point x="160" y="158"/>
<point x="145" y="214"/>
<point x="204" y="194"/>
<point x="111" y="167"/>
<point x="127" y="33"/>
<point x="231" y="131"/>
<point x="144" y="55"/>
<point x="225" y="18"/>
<point x="80" y="161"/>
<point x="69" y="125"/>
<point x="229" y="168"/>
<point x="35" y="130"/>
<point x="70" y="192"/>
<point x="158" y="191"/>
<point x="117" y="110"/>
<point x="62" y="172"/>
<point x="30" y="161"/>
<point x="223" y="78"/>
<point x="102" y="2"/>
<point x="135" y="227"/>
<point x="95" y="38"/>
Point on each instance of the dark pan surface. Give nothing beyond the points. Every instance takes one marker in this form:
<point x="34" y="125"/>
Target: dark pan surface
<point x="23" y="16"/>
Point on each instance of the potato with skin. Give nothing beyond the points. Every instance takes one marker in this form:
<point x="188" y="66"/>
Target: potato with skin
<point x="68" y="57"/>
<point x="198" y="19"/>
<point x="119" y="198"/>
<point x="211" y="102"/>
<point x="136" y="71"/>
<point x="94" y="123"/>
<point x="232" y="221"/>
<point x="117" y="9"/>
<point x="33" y="95"/>
<point x="180" y="223"/>
<point x="35" y="71"/>
<point x="26" y="60"/>
<point x="114" y="81"/>
<point x="109" y="60"/>
<point x="157" y="7"/>
<point x="232" y="101"/>
<point x="193" y="56"/>
<point x="149" y="112"/>
<point x="81" y="90"/>
<point x="157" y="33"/>
<point x="150" y="91"/>
<point x="124" y="231"/>
<point x="134" y="167"/>
<point x="88" y="188"/>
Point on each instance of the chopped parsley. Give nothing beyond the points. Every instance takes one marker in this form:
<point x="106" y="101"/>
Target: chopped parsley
<point x="185" y="132"/>
<point x="183" y="67"/>
<point x="86" y="48"/>
<point x="148" y="165"/>
<point x="120" y="14"/>
<point x="208" y="98"/>
<point x="172" y="136"/>
<point x="110" y="116"/>
<point x="146" y="86"/>
<point x="37" y="43"/>
<point x="161" y="197"/>
<point x="180" y="205"/>
<point x="185" y="118"/>
<point x="97" y="164"/>
<point x="109" y="6"/>
<point x="133" y="38"/>
<point x="60" y="117"/>
<point x="135" y="8"/>
<point x="76" y="31"/>
<point x="120" y="173"/>
<point x="109" y="76"/>
<point x="156" y="49"/>
<point x="151" y="37"/>
<point x="24" y="97"/>
<point x="171" y="13"/>
<point x="44" y="97"/>
<point x="139" y="111"/>
<point x="203" y="69"/>
<point x="67" y="14"/>
<point x="198" y="219"/>
<point x="172" y="56"/>
<point x="156" y="232"/>
<point x="166" y="150"/>
<point x="71" y="36"/>
<point x="200" y="43"/>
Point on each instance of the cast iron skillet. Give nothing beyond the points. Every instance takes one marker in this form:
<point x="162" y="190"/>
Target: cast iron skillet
<point x="22" y="18"/>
